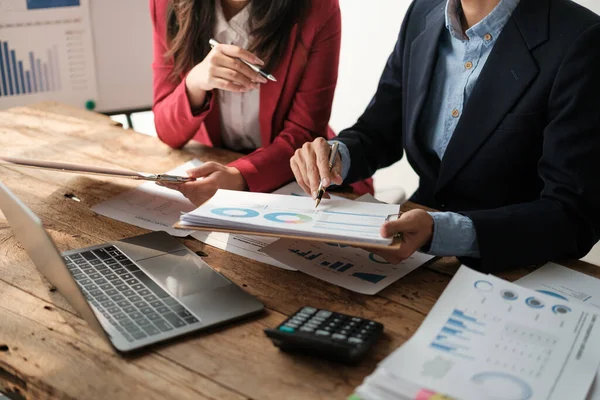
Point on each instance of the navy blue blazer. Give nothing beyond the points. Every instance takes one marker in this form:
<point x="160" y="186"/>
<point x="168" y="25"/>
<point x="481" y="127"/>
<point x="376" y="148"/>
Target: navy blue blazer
<point x="524" y="160"/>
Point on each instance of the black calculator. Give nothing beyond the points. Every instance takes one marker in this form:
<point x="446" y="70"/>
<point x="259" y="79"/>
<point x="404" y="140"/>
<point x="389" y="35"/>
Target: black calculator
<point x="326" y="334"/>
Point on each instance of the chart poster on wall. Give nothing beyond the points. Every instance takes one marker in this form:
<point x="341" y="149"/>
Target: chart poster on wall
<point x="46" y="53"/>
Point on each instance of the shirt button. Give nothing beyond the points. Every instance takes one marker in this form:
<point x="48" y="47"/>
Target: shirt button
<point x="455" y="113"/>
<point x="487" y="37"/>
<point x="468" y="65"/>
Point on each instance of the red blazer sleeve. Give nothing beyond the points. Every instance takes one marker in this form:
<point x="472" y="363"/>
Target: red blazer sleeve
<point x="268" y="168"/>
<point x="173" y="118"/>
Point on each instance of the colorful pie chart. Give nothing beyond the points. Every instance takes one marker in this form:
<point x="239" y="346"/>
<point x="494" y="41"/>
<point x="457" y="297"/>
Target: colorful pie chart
<point x="288" y="218"/>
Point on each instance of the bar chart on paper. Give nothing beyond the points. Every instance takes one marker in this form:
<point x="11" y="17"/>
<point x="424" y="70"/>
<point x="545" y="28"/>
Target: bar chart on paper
<point x="349" y="267"/>
<point x="45" y="52"/>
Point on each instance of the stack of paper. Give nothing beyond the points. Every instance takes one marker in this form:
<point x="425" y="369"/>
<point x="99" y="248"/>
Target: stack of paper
<point x="486" y="338"/>
<point x="337" y="220"/>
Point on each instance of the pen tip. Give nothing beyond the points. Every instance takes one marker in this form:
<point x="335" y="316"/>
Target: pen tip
<point x="317" y="203"/>
<point x="271" y="77"/>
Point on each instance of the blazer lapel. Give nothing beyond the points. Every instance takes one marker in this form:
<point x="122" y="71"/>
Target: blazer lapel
<point x="507" y="73"/>
<point x="270" y="93"/>
<point x="423" y="56"/>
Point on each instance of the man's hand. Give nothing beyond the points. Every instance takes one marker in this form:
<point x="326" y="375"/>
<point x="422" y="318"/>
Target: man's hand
<point x="416" y="227"/>
<point x="211" y="177"/>
<point x="310" y="164"/>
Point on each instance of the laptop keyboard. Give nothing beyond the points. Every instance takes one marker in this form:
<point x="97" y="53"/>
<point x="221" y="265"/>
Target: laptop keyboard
<point x="128" y="298"/>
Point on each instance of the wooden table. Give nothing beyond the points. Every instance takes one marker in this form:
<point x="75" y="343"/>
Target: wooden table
<point x="47" y="352"/>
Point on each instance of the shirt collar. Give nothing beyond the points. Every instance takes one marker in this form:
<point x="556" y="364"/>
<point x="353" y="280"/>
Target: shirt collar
<point x="239" y="23"/>
<point x="491" y="25"/>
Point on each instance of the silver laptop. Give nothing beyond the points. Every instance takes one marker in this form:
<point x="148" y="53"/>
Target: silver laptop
<point x="134" y="292"/>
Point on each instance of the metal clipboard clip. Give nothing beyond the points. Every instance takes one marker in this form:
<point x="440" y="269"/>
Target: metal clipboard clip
<point x="392" y="218"/>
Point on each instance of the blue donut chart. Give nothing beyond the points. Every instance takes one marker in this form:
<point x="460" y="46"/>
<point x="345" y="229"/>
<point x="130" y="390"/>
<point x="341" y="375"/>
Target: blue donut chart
<point x="483" y="286"/>
<point x="234" y="212"/>
<point x="560" y="309"/>
<point x="491" y="380"/>
<point x="534" y="302"/>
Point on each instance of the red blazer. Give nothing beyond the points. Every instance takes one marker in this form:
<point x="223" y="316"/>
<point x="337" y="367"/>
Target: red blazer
<point x="294" y="110"/>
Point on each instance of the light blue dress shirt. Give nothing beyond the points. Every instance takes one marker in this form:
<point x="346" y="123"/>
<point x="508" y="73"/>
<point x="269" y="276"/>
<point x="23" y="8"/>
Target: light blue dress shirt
<point x="461" y="58"/>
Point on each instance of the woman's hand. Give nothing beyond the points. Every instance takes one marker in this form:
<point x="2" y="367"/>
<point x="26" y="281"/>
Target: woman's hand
<point x="211" y="176"/>
<point x="221" y="69"/>
<point x="416" y="227"/>
<point x="310" y="164"/>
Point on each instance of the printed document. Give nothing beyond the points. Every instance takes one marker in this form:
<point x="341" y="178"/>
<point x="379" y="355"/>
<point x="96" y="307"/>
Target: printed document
<point x="349" y="267"/>
<point x="486" y="338"/>
<point x="337" y="220"/>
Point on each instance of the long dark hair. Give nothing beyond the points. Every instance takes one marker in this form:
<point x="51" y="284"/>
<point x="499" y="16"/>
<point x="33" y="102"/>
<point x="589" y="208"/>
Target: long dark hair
<point x="190" y="24"/>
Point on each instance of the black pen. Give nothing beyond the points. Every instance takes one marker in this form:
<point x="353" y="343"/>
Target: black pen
<point x="332" y="157"/>
<point x="255" y="68"/>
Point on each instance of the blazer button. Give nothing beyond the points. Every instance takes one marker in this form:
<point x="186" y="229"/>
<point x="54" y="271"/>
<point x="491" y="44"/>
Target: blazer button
<point x="443" y="206"/>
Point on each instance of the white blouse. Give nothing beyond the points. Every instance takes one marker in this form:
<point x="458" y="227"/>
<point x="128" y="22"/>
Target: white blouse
<point x="240" y="127"/>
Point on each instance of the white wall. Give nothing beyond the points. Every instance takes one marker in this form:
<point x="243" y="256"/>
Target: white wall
<point x="369" y="32"/>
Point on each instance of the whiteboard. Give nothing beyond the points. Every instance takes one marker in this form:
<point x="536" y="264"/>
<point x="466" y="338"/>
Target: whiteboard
<point x="122" y="37"/>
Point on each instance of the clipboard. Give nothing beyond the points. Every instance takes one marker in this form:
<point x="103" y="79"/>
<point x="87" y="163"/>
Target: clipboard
<point x="395" y="245"/>
<point x="90" y="170"/>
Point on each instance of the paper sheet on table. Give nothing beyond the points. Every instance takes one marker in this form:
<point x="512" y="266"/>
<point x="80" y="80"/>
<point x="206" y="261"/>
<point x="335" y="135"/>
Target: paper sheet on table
<point x="349" y="267"/>
<point x="246" y="245"/>
<point x="150" y="206"/>
<point x="570" y="286"/>
<point x="486" y="338"/>
<point x="157" y="208"/>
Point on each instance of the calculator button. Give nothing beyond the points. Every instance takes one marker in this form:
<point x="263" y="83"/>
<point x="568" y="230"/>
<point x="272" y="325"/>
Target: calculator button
<point x="337" y="320"/>
<point x="313" y="326"/>
<point x="306" y="329"/>
<point x="301" y="317"/>
<point x="286" y="329"/>
<point x="344" y="332"/>
<point x="318" y="319"/>
<point x="324" y="314"/>
<point x="292" y="324"/>
<point x="355" y="319"/>
<point x="337" y="336"/>
<point x="322" y="333"/>
<point x="308" y="310"/>
<point x="355" y="340"/>
<point x="327" y="328"/>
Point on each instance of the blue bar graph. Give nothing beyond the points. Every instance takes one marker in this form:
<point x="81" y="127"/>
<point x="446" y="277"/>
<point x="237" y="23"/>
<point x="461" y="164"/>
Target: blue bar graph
<point x="28" y="81"/>
<point x="8" y="70"/>
<point x="309" y="255"/>
<point x="38" y="69"/>
<point x="2" y="73"/>
<point x="13" y="58"/>
<point x="33" y="74"/>
<point x="16" y="79"/>
<point x="39" y="4"/>
<point x="22" y="77"/>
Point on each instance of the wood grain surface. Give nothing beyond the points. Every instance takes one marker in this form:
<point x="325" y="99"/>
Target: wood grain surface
<point x="48" y="352"/>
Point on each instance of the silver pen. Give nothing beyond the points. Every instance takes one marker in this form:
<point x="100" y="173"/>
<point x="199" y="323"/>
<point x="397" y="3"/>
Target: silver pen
<point x="255" y="68"/>
<point x="332" y="156"/>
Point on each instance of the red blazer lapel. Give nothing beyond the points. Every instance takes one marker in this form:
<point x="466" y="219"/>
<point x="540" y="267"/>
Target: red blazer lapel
<point x="270" y="93"/>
